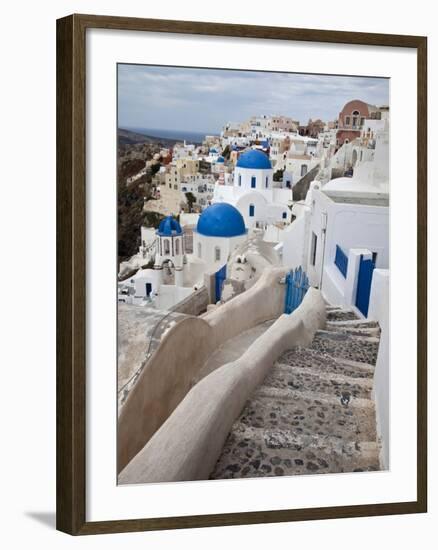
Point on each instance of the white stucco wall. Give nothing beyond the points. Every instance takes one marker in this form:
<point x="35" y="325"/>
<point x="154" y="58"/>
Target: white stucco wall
<point x="379" y="311"/>
<point x="294" y="237"/>
<point x="349" y="226"/>
<point x="208" y="246"/>
<point x="144" y="276"/>
<point x="263" y="178"/>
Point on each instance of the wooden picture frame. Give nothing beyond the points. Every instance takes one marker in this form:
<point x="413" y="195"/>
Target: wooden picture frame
<point x="71" y="273"/>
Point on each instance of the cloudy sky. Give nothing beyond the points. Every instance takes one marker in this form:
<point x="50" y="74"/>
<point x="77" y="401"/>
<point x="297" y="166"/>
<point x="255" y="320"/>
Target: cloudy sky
<point x="203" y="100"/>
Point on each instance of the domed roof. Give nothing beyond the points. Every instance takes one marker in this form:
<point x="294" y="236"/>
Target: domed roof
<point x="254" y="159"/>
<point x="220" y="159"/>
<point x="168" y="227"/>
<point x="221" y="220"/>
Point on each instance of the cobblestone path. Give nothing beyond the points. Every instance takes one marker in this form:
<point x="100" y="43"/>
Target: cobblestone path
<point x="314" y="412"/>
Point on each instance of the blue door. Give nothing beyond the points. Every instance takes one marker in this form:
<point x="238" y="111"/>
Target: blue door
<point x="365" y="277"/>
<point x="297" y="284"/>
<point x="253" y="182"/>
<point x="220" y="277"/>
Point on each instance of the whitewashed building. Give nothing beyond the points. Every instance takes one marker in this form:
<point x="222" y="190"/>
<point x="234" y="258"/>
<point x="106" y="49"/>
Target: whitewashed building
<point x="219" y="231"/>
<point x="342" y="226"/>
<point x="253" y="192"/>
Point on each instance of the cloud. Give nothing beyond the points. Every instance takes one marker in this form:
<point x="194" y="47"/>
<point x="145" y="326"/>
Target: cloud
<point x="178" y="98"/>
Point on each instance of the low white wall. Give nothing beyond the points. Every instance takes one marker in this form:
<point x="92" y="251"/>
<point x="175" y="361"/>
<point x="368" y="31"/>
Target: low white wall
<point x="189" y="443"/>
<point x="379" y="311"/>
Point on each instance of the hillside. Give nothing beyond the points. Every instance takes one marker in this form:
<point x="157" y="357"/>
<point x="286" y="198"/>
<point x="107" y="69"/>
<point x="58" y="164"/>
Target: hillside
<point x="127" y="137"/>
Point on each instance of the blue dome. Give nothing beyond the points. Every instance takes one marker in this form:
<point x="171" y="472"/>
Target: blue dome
<point x="221" y="220"/>
<point x="168" y="227"/>
<point x="220" y="159"/>
<point x="254" y="159"/>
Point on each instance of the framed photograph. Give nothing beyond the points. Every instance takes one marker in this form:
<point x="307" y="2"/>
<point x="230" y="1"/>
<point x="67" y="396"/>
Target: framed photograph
<point x="241" y="274"/>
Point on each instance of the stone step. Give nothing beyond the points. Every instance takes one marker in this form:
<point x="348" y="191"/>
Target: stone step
<point x="346" y="346"/>
<point x="304" y="379"/>
<point x="355" y="331"/>
<point x="325" y="364"/>
<point x="358" y="323"/>
<point x="341" y="315"/>
<point x="255" y="452"/>
<point x="310" y="413"/>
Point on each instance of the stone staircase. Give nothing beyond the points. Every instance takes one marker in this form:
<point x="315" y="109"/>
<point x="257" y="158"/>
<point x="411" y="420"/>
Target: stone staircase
<point x="314" y="412"/>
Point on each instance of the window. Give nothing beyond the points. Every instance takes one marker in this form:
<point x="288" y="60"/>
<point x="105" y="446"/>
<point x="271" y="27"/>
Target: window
<point x="217" y="253"/>
<point x="313" y="249"/>
<point x="253" y="181"/>
<point x="374" y="258"/>
<point x="251" y="210"/>
<point x="347" y="121"/>
<point x="303" y="170"/>
<point x="266" y="183"/>
<point x="362" y="120"/>
<point x="284" y="215"/>
<point x="176" y="246"/>
<point x="240" y="180"/>
<point x="199" y="250"/>
<point x="166" y="246"/>
<point x="354" y="121"/>
<point x="355" y="113"/>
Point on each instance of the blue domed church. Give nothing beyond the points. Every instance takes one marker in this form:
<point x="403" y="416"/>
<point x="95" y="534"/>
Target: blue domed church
<point x="220" y="229"/>
<point x="254" y="193"/>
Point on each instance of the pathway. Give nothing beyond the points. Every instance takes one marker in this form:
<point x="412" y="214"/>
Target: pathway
<point x="233" y="348"/>
<point x="314" y="412"/>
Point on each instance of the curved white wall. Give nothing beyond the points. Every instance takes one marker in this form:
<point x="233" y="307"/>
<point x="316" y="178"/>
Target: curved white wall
<point x="189" y="443"/>
<point x="169" y="373"/>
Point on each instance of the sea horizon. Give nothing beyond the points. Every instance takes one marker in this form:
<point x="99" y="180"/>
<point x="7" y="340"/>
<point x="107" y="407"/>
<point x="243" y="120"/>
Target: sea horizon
<point x="188" y="135"/>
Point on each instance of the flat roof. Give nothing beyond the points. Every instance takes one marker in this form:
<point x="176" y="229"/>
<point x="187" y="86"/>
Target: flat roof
<point x="356" y="198"/>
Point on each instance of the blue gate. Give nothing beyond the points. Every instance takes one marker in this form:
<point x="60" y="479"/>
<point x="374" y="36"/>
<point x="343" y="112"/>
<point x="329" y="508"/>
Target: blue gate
<point x="364" y="279"/>
<point x="220" y="277"/>
<point x="297" y="284"/>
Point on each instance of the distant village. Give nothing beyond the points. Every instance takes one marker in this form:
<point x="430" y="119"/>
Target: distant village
<point x="268" y="218"/>
<point x="263" y="185"/>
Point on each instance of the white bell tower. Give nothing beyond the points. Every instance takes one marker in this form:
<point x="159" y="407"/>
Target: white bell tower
<point x="170" y="250"/>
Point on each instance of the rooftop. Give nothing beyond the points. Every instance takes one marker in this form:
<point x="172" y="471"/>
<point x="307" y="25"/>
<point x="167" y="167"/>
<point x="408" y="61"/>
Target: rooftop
<point x="221" y="220"/>
<point x="358" y="198"/>
<point x="168" y="227"/>
<point x="254" y="159"/>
